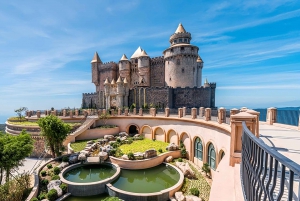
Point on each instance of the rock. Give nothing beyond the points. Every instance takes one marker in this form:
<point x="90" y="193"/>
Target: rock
<point x="125" y="157"/>
<point x="82" y="157"/>
<point x="123" y="134"/>
<point x="172" y="199"/>
<point x="90" y="142"/>
<point x="103" y="156"/>
<point x="88" y="148"/>
<point x="63" y="165"/>
<point x="169" y="159"/>
<point x="59" y="191"/>
<point x="150" y="153"/>
<point x="53" y="183"/>
<point x="73" y="158"/>
<point x="123" y="138"/>
<point x="137" y="135"/>
<point x="84" y="152"/>
<point x="139" y="155"/>
<point x="192" y="198"/>
<point x="109" y="137"/>
<point x="186" y="169"/>
<point x="172" y="147"/>
<point x="179" y="196"/>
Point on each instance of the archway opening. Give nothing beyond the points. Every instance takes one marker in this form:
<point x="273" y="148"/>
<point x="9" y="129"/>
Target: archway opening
<point x="133" y="130"/>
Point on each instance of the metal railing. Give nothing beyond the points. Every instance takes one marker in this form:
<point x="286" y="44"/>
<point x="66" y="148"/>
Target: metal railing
<point x="265" y="173"/>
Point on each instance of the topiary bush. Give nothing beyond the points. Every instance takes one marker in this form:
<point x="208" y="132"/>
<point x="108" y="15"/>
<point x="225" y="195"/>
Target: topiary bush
<point x="52" y="195"/>
<point x="194" y="191"/>
<point x="34" y="199"/>
<point x="56" y="170"/>
<point x="49" y="166"/>
<point x="119" y="140"/>
<point x="179" y="159"/>
<point x="44" y="182"/>
<point x="64" y="187"/>
<point x="43" y="173"/>
<point x="55" y="177"/>
<point x="183" y="152"/>
<point x="130" y="156"/>
<point x="112" y="152"/>
<point x="42" y="196"/>
<point x="160" y="150"/>
<point x="65" y="159"/>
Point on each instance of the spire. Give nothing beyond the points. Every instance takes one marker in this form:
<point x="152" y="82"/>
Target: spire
<point x="113" y="81"/>
<point x="124" y="58"/>
<point x="180" y="29"/>
<point x="119" y="80"/>
<point x="137" y="53"/>
<point x="96" y="58"/>
<point x="144" y="53"/>
<point x="199" y="59"/>
<point x="125" y="81"/>
<point x="106" y="81"/>
<point x="205" y="82"/>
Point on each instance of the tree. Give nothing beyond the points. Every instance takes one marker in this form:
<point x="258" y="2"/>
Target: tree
<point x="55" y="132"/>
<point x="13" y="149"/>
<point x="104" y="117"/>
<point x="20" y="112"/>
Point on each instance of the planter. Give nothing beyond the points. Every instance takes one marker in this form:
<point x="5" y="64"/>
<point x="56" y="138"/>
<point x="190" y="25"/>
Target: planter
<point x="91" y="134"/>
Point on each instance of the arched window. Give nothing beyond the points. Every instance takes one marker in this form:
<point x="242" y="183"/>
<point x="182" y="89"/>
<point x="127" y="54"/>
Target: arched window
<point x="198" y="147"/>
<point x="211" y="156"/>
<point x="222" y="155"/>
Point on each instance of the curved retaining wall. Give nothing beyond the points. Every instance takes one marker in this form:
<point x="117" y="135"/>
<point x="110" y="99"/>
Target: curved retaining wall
<point x="145" y="163"/>
<point x="95" y="133"/>
<point x="91" y="188"/>
<point x="161" y="195"/>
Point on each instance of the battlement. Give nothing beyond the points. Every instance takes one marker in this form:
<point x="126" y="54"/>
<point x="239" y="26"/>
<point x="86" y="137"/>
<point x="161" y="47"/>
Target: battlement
<point x="157" y="60"/>
<point x="89" y="94"/>
<point x="213" y="84"/>
<point x="110" y="62"/>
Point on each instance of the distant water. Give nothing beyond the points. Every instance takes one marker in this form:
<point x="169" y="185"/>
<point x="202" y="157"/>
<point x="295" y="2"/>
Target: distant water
<point x="287" y="115"/>
<point x="3" y="119"/>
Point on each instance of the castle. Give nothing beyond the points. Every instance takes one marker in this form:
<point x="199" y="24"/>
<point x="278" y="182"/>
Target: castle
<point x="173" y="80"/>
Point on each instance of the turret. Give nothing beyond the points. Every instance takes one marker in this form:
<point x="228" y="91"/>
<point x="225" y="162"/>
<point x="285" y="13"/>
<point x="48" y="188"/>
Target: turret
<point x="95" y="63"/>
<point x="199" y="71"/>
<point x="180" y="36"/>
<point x="144" y="69"/>
<point x="206" y="84"/>
<point x="124" y="67"/>
<point x="106" y="87"/>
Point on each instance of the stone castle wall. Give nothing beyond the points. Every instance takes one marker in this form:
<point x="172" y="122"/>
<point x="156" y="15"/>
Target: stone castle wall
<point x="157" y="72"/>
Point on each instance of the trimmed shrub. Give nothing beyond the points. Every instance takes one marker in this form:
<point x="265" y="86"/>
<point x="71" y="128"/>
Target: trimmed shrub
<point x="34" y="199"/>
<point x="179" y="159"/>
<point x="42" y="196"/>
<point x="55" y="177"/>
<point x="49" y="166"/>
<point x="130" y="156"/>
<point x="43" y="173"/>
<point x="112" y="152"/>
<point x="56" y="170"/>
<point x="194" y="191"/>
<point x="64" y="187"/>
<point x="183" y="152"/>
<point x="65" y="159"/>
<point x="160" y="150"/>
<point x="119" y="140"/>
<point x="52" y="195"/>
<point x="44" y="182"/>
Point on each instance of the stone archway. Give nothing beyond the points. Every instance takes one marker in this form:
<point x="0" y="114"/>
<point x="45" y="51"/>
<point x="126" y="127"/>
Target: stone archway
<point x="172" y="137"/>
<point x="159" y="134"/>
<point x="146" y="131"/>
<point x="132" y="130"/>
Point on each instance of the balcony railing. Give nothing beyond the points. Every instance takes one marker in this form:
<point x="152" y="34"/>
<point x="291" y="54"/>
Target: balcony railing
<point x="265" y="173"/>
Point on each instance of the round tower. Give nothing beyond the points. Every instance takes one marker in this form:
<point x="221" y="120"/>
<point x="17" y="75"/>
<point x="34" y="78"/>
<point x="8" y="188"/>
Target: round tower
<point x="95" y="63"/>
<point x="124" y="68"/>
<point x="144" y="69"/>
<point x="181" y="68"/>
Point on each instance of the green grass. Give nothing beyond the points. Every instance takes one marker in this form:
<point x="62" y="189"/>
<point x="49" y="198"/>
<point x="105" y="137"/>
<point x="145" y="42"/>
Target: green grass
<point x="79" y="145"/>
<point x="143" y="145"/>
<point x="29" y="123"/>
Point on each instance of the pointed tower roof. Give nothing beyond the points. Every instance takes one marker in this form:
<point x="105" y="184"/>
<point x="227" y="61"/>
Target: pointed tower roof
<point x="96" y="58"/>
<point x="144" y="54"/>
<point x="206" y="81"/>
<point x="137" y="53"/>
<point x="199" y="59"/>
<point x="180" y="29"/>
<point x="113" y="81"/>
<point x="125" y="81"/>
<point x="124" y="58"/>
<point x="119" y="80"/>
<point x="106" y="81"/>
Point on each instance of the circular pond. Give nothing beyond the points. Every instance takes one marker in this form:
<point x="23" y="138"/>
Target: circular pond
<point x="89" y="173"/>
<point x="148" y="180"/>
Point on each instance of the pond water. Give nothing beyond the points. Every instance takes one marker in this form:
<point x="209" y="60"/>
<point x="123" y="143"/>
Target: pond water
<point x="147" y="180"/>
<point x="89" y="173"/>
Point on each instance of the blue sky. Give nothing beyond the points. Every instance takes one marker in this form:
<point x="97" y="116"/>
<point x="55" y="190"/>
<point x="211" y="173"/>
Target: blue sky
<point x="250" y="48"/>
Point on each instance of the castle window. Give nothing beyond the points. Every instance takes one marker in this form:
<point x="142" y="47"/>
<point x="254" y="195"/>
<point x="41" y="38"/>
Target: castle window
<point x="185" y="40"/>
<point x="175" y="41"/>
<point x="180" y="40"/>
<point x="182" y="48"/>
<point x="192" y="48"/>
<point x="136" y="60"/>
<point x="170" y="79"/>
<point x="178" y="61"/>
<point x="182" y="70"/>
<point x="171" y="50"/>
<point x="194" y="69"/>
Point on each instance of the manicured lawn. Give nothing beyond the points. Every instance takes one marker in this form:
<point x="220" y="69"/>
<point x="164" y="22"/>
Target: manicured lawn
<point x="28" y="123"/>
<point x="143" y="145"/>
<point x="79" y="145"/>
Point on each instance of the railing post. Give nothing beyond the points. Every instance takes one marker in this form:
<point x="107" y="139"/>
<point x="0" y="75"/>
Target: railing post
<point x="112" y="111"/>
<point x="253" y="112"/>
<point x="134" y="111"/>
<point x="207" y="114"/>
<point x="76" y="113"/>
<point x="237" y="132"/>
<point x="167" y="112"/>
<point x="126" y="112"/>
<point x="184" y="111"/>
<point x="194" y="113"/>
<point x="64" y="113"/>
<point x="201" y="112"/>
<point x="180" y="112"/>
<point x="119" y="111"/>
<point x="153" y="112"/>
<point x="141" y="112"/>
<point x="38" y="114"/>
<point x="233" y="111"/>
<point x="221" y="115"/>
<point x="271" y="115"/>
<point x="71" y="113"/>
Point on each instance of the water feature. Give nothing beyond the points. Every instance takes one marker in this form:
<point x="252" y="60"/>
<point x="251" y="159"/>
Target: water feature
<point x="147" y="180"/>
<point x="89" y="173"/>
<point x="87" y="198"/>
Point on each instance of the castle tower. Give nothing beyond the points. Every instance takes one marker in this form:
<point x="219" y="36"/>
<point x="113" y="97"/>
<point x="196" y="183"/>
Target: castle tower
<point x="95" y="63"/>
<point x="144" y="69"/>
<point x="181" y="68"/>
<point x="124" y="67"/>
<point x="120" y="93"/>
<point x="135" y="77"/>
<point x="107" y="93"/>
<point x="199" y="71"/>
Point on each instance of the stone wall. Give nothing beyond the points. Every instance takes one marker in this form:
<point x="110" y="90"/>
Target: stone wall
<point x="39" y="146"/>
<point x="157" y="72"/>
